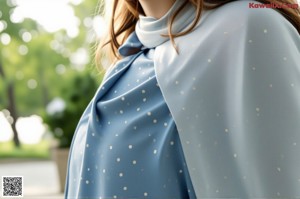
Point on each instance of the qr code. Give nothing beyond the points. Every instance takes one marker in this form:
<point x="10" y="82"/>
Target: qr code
<point x="12" y="186"/>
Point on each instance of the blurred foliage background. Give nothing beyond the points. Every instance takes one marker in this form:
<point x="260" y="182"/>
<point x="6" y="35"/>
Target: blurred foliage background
<point x="47" y="74"/>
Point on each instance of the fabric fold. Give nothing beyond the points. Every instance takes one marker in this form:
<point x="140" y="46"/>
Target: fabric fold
<point x="149" y="29"/>
<point x="234" y="96"/>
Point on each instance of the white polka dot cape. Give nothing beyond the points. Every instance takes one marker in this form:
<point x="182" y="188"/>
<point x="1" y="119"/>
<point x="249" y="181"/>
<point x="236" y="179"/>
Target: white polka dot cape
<point x="233" y="92"/>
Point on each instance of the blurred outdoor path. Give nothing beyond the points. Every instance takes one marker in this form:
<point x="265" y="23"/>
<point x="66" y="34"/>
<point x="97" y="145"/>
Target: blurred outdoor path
<point x="40" y="178"/>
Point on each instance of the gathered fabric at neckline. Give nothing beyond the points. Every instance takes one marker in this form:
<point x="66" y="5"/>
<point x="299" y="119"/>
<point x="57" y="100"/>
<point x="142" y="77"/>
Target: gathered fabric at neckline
<point x="149" y="30"/>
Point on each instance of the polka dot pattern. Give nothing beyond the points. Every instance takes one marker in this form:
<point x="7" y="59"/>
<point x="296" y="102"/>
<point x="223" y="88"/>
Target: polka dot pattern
<point x="239" y="127"/>
<point x="135" y="139"/>
<point x="233" y="90"/>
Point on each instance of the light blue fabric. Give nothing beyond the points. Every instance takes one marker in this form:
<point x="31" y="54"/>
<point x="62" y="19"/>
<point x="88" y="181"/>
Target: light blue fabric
<point x="149" y="29"/>
<point x="126" y="144"/>
<point x="234" y="93"/>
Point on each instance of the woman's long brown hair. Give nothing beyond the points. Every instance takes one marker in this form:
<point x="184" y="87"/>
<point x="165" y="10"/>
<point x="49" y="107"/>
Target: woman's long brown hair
<point x="125" y="14"/>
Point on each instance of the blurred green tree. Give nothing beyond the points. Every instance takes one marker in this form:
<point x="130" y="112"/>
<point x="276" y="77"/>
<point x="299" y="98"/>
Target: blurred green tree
<point x="36" y="66"/>
<point x="64" y="122"/>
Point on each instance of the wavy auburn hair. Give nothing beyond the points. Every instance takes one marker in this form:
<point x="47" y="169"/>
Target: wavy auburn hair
<point x="125" y="14"/>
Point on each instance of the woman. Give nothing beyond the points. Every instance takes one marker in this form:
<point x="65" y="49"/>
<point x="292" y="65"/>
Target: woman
<point x="202" y="101"/>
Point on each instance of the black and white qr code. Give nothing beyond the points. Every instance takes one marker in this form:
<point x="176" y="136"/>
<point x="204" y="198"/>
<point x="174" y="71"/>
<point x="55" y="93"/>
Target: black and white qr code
<point x="12" y="186"/>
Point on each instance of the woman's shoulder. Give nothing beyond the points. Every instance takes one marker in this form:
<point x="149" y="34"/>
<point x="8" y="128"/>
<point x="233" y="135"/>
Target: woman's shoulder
<point x="237" y="22"/>
<point x="248" y="9"/>
<point x="249" y="13"/>
<point x="231" y="33"/>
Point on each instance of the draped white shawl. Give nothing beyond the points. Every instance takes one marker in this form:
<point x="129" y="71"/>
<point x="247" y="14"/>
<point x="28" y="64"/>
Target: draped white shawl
<point x="234" y="93"/>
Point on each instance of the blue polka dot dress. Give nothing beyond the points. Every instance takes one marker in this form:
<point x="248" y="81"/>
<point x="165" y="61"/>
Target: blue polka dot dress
<point x="126" y="144"/>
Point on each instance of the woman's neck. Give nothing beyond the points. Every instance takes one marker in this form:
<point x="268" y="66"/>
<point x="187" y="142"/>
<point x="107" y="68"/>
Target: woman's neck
<point x="156" y="8"/>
